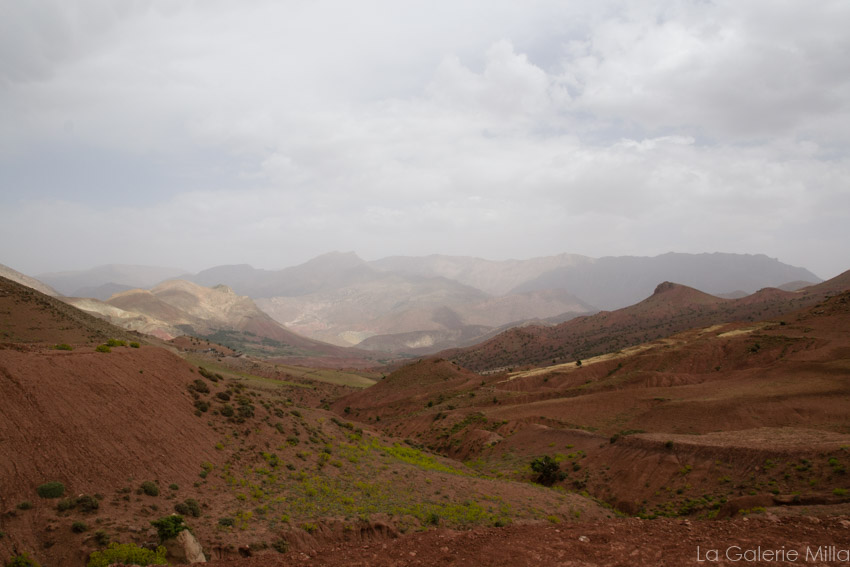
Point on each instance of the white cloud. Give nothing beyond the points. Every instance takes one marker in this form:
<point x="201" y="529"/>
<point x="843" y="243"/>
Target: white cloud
<point x="484" y="128"/>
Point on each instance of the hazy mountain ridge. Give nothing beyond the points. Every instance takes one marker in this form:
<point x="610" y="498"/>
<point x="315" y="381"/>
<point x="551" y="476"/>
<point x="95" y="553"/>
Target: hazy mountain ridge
<point x="342" y="299"/>
<point x="72" y="283"/>
<point x="491" y="276"/>
<point x="177" y="307"/>
<point x="615" y="282"/>
<point x="671" y="308"/>
<point x="25" y="280"/>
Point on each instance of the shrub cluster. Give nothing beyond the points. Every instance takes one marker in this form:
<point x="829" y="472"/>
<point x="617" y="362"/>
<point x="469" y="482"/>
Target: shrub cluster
<point x="188" y="507"/>
<point x="127" y="553"/>
<point x="85" y="502"/>
<point x="22" y="560"/>
<point x="51" y="490"/>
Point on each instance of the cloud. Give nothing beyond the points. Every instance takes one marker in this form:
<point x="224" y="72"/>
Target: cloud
<point x="271" y="132"/>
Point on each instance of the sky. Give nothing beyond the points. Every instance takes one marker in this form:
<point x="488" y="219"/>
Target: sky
<point x="199" y="133"/>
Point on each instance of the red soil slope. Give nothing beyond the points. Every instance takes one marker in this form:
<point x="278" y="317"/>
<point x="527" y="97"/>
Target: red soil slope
<point x="95" y="422"/>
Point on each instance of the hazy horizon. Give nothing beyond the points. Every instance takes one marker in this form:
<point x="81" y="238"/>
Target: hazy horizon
<point x="184" y="271"/>
<point x="269" y="133"/>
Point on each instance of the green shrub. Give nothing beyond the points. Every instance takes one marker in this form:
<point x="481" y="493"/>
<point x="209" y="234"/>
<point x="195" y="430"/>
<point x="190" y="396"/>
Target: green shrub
<point x="66" y="504"/>
<point x="150" y="488"/>
<point x="22" y="560"/>
<point x="189" y="507"/>
<point x="134" y="344"/>
<point x="51" y="490"/>
<point x="87" y="503"/>
<point x="227" y="410"/>
<point x="168" y="527"/>
<point x="174" y="486"/>
<point x="101" y="537"/>
<point x="280" y="545"/>
<point x="78" y="527"/>
<point x="547" y="469"/>
<point x="115" y="343"/>
<point x="226" y="522"/>
<point x="309" y="527"/>
<point x="25" y="505"/>
<point x="64" y="346"/>
<point x="223" y="396"/>
<point x="102" y="348"/>
<point x="199" y="386"/>
<point x="127" y="554"/>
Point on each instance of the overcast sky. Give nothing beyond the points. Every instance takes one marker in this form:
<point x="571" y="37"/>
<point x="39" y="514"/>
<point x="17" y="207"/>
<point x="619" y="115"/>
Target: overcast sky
<point x="194" y="134"/>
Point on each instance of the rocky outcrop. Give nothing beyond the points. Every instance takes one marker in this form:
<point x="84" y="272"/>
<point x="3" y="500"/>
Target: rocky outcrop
<point x="185" y="548"/>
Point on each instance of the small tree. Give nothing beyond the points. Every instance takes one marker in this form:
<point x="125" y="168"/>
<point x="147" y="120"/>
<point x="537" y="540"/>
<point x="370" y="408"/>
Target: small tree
<point x="548" y="470"/>
<point x="168" y="527"/>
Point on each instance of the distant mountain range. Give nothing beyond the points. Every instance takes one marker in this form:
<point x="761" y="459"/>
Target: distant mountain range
<point x="670" y="309"/>
<point x="178" y="307"/>
<point x="421" y="305"/>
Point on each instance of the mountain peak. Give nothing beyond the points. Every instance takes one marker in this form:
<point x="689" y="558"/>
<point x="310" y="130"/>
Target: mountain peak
<point x="665" y="287"/>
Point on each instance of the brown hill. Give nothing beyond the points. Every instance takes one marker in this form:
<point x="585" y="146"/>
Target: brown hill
<point x="710" y="412"/>
<point x="16" y="276"/>
<point x="672" y="308"/>
<point x="29" y="316"/>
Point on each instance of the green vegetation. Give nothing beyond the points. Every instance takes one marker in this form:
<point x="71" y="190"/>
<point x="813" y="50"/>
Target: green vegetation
<point x="134" y="344"/>
<point x="115" y="343"/>
<point x="188" y="507"/>
<point x="548" y="470"/>
<point x="168" y="527"/>
<point x="150" y="488"/>
<point x="79" y="527"/>
<point x="22" y="560"/>
<point x="25" y="505"/>
<point x="199" y="386"/>
<point x="127" y="554"/>
<point x="101" y="537"/>
<point x="85" y="503"/>
<point x="64" y="346"/>
<point x="51" y="490"/>
<point x="102" y="348"/>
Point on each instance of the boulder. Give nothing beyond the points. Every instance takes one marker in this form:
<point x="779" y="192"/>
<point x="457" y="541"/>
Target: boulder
<point x="185" y="548"/>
